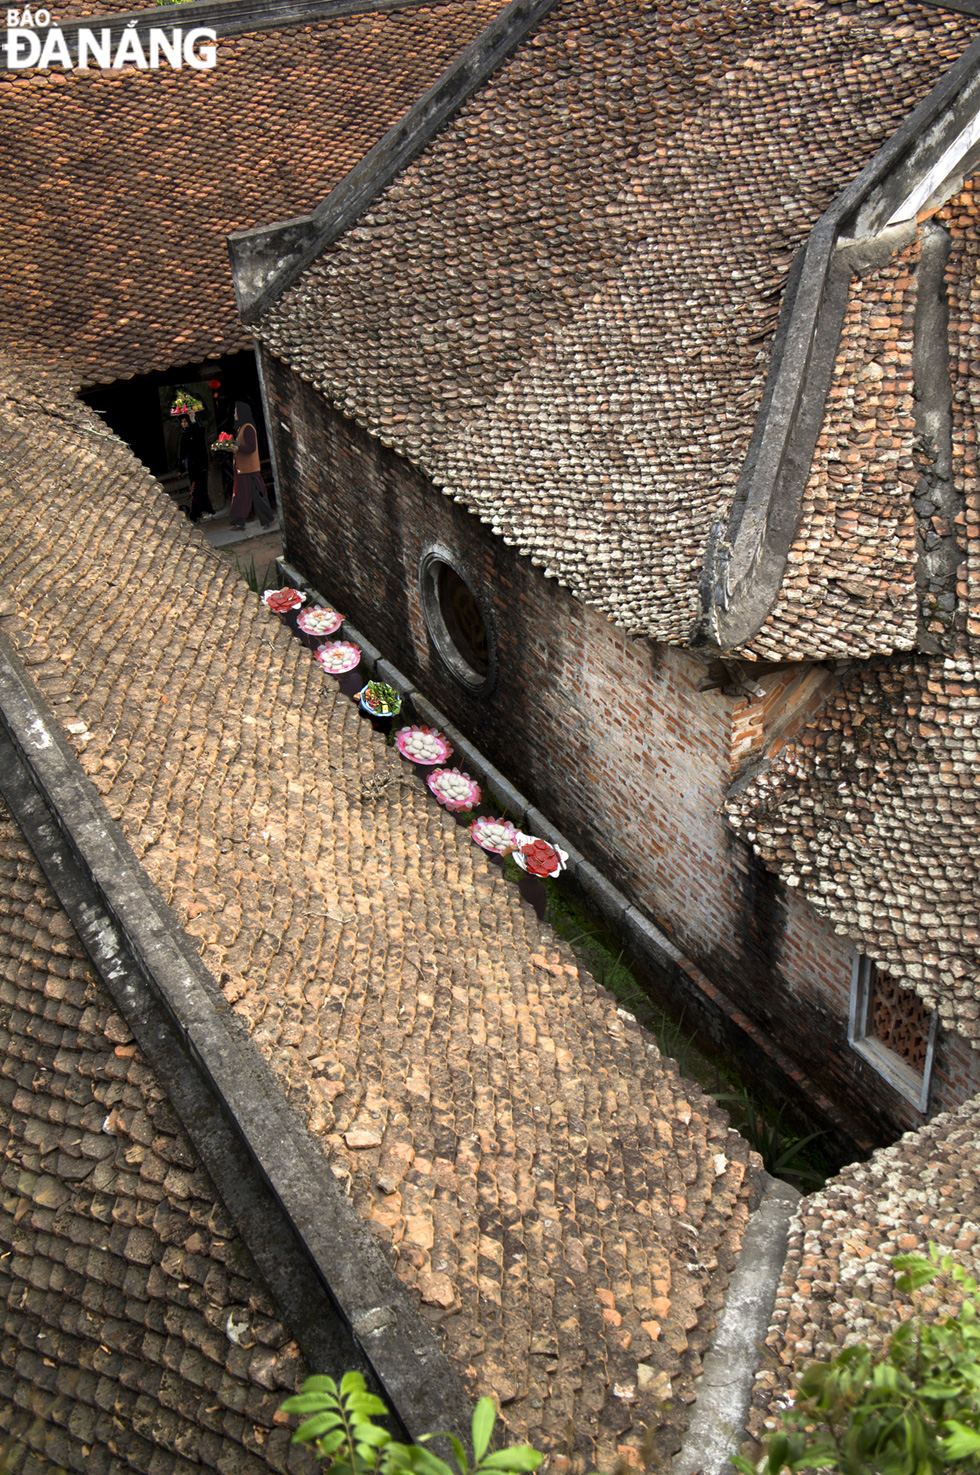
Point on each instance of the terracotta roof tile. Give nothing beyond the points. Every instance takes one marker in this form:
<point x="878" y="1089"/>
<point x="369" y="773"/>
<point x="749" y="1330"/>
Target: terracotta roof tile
<point x="119" y="1266"/>
<point x="850" y="584"/>
<point x="837" y="1286"/>
<point x="963" y="285"/>
<point x="565" y="1204"/>
<point x="562" y="311"/>
<point x="120" y="187"/>
<point x="874" y="813"/>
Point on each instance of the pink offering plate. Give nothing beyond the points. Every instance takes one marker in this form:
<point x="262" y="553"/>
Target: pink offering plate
<point x="403" y="739"/>
<point x="281" y="601"/>
<point x="495" y="835"/>
<point x="338" y="656"/>
<point x="318" y="621"/>
<point x="454" y="789"/>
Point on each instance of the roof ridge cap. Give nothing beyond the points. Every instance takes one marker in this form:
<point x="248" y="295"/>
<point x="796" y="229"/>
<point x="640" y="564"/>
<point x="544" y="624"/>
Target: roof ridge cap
<point x="266" y="261"/>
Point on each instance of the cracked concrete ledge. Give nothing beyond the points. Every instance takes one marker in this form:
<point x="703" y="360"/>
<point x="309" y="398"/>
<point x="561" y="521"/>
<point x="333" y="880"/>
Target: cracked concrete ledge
<point x="724" y="1389"/>
<point x="719" y="1017"/>
<point x="317" y="1255"/>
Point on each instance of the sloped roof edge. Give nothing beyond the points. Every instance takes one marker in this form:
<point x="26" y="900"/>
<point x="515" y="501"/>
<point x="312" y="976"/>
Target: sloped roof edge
<point x="266" y="261"/>
<point x="745" y="557"/>
<point x="164" y="989"/>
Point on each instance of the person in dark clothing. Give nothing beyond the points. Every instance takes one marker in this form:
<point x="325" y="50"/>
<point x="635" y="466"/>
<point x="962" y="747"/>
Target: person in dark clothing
<point x="192" y="460"/>
<point x="249" y="490"/>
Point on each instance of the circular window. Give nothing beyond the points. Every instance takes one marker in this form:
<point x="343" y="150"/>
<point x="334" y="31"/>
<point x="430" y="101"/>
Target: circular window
<point x="458" y="622"/>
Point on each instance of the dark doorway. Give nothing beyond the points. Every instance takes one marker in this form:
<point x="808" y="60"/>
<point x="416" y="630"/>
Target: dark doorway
<point x="139" y="410"/>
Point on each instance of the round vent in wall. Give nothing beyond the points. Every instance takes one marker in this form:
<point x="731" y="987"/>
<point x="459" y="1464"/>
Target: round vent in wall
<point x="459" y="622"/>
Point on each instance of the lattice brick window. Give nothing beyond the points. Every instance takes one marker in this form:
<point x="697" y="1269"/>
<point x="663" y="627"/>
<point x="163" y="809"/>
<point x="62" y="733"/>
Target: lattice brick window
<point x="893" y="1030"/>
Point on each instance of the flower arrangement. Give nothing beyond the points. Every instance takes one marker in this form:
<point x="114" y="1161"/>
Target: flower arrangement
<point x="380" y="700"/>
<point x="281" y="601"/>
<point x="319" y="621"/>
<point x="498" y="836"/>
<point x="184" y="403"/>
<point x="537" y="857"/>
<point x="454" y="789"/>
<point x="225" y="442"/>
<point x="338" y="656"/>
<point x="423" y="745"/>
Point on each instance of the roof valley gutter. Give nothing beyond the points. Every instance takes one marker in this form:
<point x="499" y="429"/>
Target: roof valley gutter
<point x="338" y="1295"/>
<point x="267" y="261"/>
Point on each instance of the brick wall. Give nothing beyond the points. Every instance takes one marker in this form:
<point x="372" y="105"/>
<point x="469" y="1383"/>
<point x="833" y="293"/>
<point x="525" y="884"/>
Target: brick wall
<point x="608" y="736"/>
<point x="764" y="723"/>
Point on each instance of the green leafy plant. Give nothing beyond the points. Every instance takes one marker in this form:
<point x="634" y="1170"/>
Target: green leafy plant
<point x="256" y="581"/>
<point x="248" y="572"/>
<point x="911" y="1407"/>
<point x="340" y="1426"/>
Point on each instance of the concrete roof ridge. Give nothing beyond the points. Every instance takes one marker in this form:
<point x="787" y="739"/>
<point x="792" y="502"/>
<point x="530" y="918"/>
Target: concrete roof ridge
<point x="266" y="261"/>
<point x="725" y="1387"/>
<point x="745" y="558"/>
<point x="156" y="976"/>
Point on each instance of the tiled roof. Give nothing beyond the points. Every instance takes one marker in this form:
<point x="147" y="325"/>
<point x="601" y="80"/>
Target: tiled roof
<point x="874" y="812"/>
<point x="562" y="312"/>
<point x="120" y="188"/>
<point x="960" y="218"/>
<point x="838" y="1285"/>
<point x="850" y="587"/>
<point x="566" y="1206"/>
<point x="120" y="1272"/>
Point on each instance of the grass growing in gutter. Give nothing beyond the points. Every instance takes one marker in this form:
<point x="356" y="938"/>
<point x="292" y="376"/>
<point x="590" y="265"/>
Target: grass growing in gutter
<point x="787" y="1154"/>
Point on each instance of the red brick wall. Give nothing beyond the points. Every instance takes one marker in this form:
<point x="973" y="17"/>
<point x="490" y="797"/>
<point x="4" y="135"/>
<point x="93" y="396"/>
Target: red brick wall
<point x="761" y="725"/>
<point x="608" y="736"/>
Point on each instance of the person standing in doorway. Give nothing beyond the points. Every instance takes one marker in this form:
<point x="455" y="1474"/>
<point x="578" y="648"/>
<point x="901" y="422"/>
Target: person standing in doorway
<point x="249" y="490"/>
<point x="192" y="459"/>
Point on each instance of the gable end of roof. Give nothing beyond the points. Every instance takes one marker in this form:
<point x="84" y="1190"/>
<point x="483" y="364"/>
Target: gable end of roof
<point x="745" y="558"/>
<point x="265" y="262"/>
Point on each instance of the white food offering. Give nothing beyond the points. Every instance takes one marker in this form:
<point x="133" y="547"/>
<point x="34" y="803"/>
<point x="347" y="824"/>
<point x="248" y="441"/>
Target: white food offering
<point x="456" y="788"/>
<point x="319" y="621"/>
<point x="496" y="833"/>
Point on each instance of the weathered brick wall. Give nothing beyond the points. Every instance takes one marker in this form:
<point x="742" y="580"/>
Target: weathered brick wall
<point x="761" y="725"/>
<point x="608" y="736"/>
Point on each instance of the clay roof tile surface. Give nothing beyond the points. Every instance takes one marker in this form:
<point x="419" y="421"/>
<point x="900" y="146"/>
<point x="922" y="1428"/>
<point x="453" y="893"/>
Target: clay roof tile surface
<point x="566" y="1206"/>
<point x="121" y="187"/>
<point x="119" y="1268"/>
<point x="837" y="1286"/>
<point x="874" y="813"/>
<point x="562" y="311"/>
